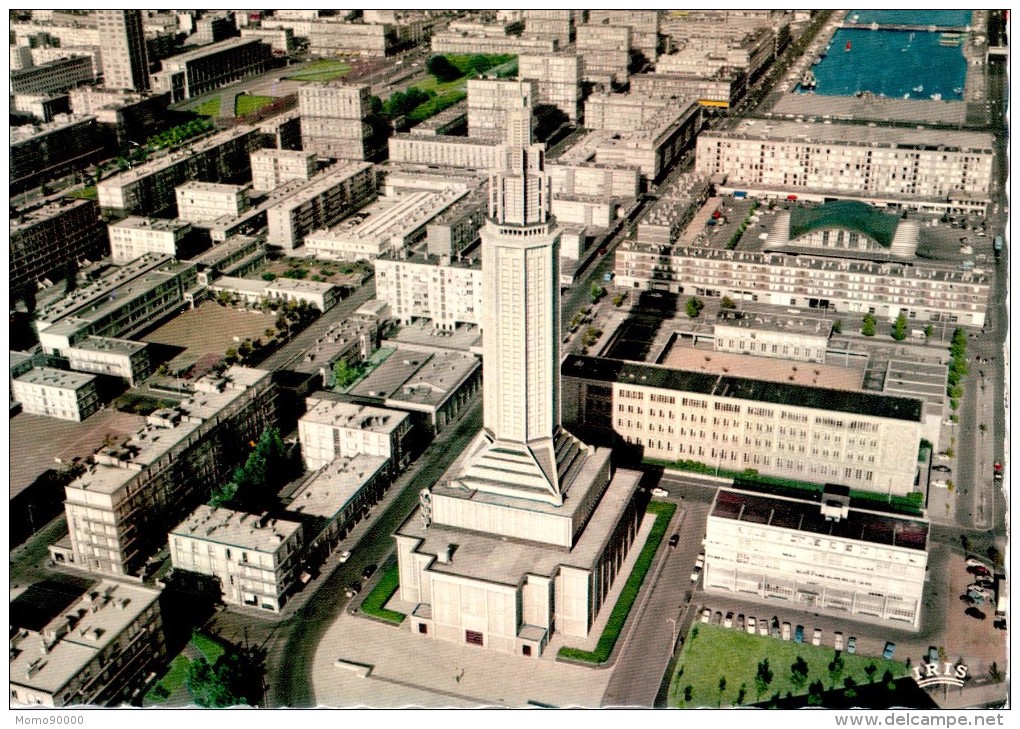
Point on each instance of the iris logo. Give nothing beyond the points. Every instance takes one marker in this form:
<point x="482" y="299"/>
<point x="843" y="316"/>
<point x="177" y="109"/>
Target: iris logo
<point x="931" y="674"/>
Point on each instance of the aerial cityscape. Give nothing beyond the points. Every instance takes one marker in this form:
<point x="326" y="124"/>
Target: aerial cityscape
<point x="509" y="358"/>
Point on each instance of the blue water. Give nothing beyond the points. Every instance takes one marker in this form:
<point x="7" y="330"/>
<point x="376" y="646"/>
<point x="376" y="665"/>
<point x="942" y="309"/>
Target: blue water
<point x="939" y="18"/>
<point x="891" y="62"/>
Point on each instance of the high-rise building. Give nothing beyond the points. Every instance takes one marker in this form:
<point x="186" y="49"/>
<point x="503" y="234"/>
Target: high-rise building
<point x="125" y="63"/>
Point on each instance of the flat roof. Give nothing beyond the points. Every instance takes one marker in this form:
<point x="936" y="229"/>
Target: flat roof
<point x="774" y="322"/>
<point x="136" y="222"/>
<point x="755" y="390"/>
<point x="220" y="187"/>
<point x="771" y="369"/>
<point x="28" y="217"/>
<point x="436" y="379"/>
<point x="334" y="485"/>
<point x="109" y="344"/>
<point x="208" y="50"/>
<point x="848" y="214"/>
<point x="61" y="379"/>
<point x="353" y="416"/>
<point x="872" y="107"/>
<point x="61" y="121"/>
<point x="297" y="286"/>
<point x="334" y="341"/>
<point x="802" y="515"/>
<point x="236" y="529"/>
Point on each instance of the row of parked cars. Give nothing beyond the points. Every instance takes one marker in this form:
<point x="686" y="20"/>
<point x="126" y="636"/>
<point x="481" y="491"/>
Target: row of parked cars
<point x="981" y="591"/>
<point x="783" y="631"/>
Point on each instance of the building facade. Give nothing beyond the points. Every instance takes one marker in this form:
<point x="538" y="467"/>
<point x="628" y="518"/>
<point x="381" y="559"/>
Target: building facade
<point x="122" y="39"/>
<point x="61" y="146"/>
<point x="331" y="429"/>
<point x="558" y="78"/>
<point x="200" y="71"/>
<point x="199" y="202"/>
<point x="46" y="239"/>
<point x="422" y="287"/>
<point x="333" y="120"/>
<point x="487" y="100"/>
<point x="53" y="77"/>
<point x="121" y="358"/>
<point x="133" y="237"/>
<point x="271" y="168"/>
<point x="56" y="393"/>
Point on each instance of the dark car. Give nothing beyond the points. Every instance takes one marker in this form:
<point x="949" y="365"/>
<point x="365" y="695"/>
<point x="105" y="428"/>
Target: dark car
<point x="368" y="571"/>
<point x="798" y="634"/>
<point x="941" y="467"/>
<point x="932" y="656"/>
<point x="979" y="570"/>
<point x="1000" y="624"/>
<point x="674" y="540"/>
<point x="890" y="650"/>
<point x="975" y="613"/>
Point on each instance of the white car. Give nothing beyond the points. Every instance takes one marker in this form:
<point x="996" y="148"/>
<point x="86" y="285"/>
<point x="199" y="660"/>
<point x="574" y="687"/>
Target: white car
<point x="345" y="556"/>
<point x="839" y="641"/>
<point x="701" y="561"/>
<point x="972" y="562"/>
<point x="763" y="626"/>
<point x="752" y="624"/>
<point x="940" y="484"/>
<point x="816" y="639"/>
<point x="706" y="615"/>
<point x="661" y="493"/>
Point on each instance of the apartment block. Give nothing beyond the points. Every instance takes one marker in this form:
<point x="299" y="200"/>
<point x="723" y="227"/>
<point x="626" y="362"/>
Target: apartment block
<point x="53" y="33"/>
<point x="280" y="40"/>
<point x="654" y="145"/>
<point x="605" y="52"/>
<point x="53" y="77"/>
<point x="134" y="236"/>
<point x="557" y="77"/>
<point x="328" y="199"/>
<point x="199" y="202"/>
<point x="621" y="112"/>
<point x="458" y="227"/>
<point x="390" y="224"/>
<point x="45" y="239"/>
<point x="94" y="654"/>
<point x="833" y="557"/>
<point x="554" y="25"/>
<point x="42" y="107"/>
<point x="593" y="180"/>
<point x="50" y="150"/>
<point x="424" y="287"/>
<point x="720" y="89"/>
<point x="327" y="38"/>
<point x="149" y="188"/>
<point x="445" y="151"/>
<point x="487" y="101"/>
<point x="851" y="161"/>
<point x="121" y="509"/>
<point x="206" y="69"/>
<point x="352" y="340"/>
<point x="331" y="429"/>
<point x="44" y="55"/>
<point x="271" y="168"/>
<point x="122" y="39"/>
<point x="215" y="27"/>
<point x="126" y="116"/>
<point x="238" y="256"/>
<point x="333" y="120"/>
<point x="468" y="37"/>
<point x="124" y="301"/>
<point x="257" y="560"/>
<point x="643" y="25"/>
<point x="21" y="57"/>
<point x="56" y="393"/>
<point x="121" y="358"/>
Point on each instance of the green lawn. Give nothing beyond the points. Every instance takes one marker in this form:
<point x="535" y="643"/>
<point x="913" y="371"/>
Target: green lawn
<point x="712" y="652"/>
<point x="210" y="107"/>
<point x="172" y="681"/>
<point x="211" y="649"/>
<point x="322" y="70"/>
<point x="245" y="104"/>
<point x="435" y="105"/>
<point x="663" y="512"/>
<point x="384" y="590"/>
<point x="86" y="193"/>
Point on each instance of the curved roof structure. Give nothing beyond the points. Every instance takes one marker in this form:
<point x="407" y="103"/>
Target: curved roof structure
<point x="846" y="214"/>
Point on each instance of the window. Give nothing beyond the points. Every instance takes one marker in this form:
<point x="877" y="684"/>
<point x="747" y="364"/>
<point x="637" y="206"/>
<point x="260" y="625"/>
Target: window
<point x="423" y="628"/>
<point x="526" y="650"/>
<point x="473" y="637"/>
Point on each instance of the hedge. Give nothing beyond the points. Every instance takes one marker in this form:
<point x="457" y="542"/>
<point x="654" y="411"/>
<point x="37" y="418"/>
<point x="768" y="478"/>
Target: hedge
<point x="384" y="590"/>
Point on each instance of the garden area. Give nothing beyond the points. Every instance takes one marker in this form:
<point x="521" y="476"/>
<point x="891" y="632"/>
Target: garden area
<point x="174" y="680"/>
<point x="245" y="104"/>
<point x="663" y="512"/>
<point x="384" y="590"/>
<point x="322" y="70"/>
<point x="209" y="107"/>
<point x="725" y="667"/>
<point x="340" y="273"/>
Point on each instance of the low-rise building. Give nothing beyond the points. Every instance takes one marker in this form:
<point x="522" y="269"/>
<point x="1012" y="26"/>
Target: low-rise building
<point x="257" y="560"/>
<point x="203" y="201"/>
<point x="322" y="296"/>
<point x="331" y="429"/>
<point x="786" y="336"/>
<point x="271" y="168"/>
<point x="93" y="654"/>
<point x="135" y="236"/>
<point x="121" y="358"/>
<point x="819" y="553"/>
<point x="120" y="510"/>
<point x="46" y="238"/>
<point x="445" y="151"/>
<point x="56" y="393"/>
<point x="206" y="69"/>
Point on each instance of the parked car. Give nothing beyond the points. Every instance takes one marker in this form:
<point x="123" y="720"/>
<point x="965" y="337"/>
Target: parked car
<point x="941" y="467"/>
<point x="838" y="644"/>
<point x="975" y="613"/>
<point x="975" y="562"/>
<point x="700" y="561"/>
<point x="1000" y="623"/>
<point x="728" y="623"/>
<point x="890" y="649"/>
<point x="798" y="634"/>
<point x="346" y="555"/>
<point x="674" y="540"/>
<point x="706" y="615"/>
<point x="661" y="493"/>
<point x="368" y="571"/>
<point x="980" y="570"/>
<point x="763" y="626"/>
<point x="786" y="631"/>
<point x="352" y="590"/>
<point x="695" y="574"/>
<point x="752" y="625"/>
<point x="816" y="638"/>
<point x="851" y="645"/>
<point x="932" y="656"/>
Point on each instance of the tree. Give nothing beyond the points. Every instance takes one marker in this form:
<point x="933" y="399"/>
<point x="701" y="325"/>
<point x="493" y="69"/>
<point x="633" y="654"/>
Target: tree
<point x="849" y="684"/>
<point x="837" y="326"/>
<point x="799" y="672"/>
<point x="965" y="542"/>
<point x="815" y="691"/>
<point x="268" y="276"/>
<point x="440" y="67"/>
<point x="345" y="374"/>
<point x="995" y="555"/>
<point x="870" y="670"/>
<point x="994" y="673"/>
<point x="688" y="693"/>
<point x="245" y="349"/>
<point x="888" y="680"/>
<point x="899" y="328"/>
<point x="694" y="306"/>
<point x="597" y="291"/>
<point x="836" y="667"/>
<point x="727" y="303"/>
<point x="763" y="678"/>
<point x="929" y="331"/>
<point x="741" y="693"/>
<point x="722" y="687"/>
<point x="618" y="300"/>
<point x="218" y="685"/>
<point x="868" y="325"/>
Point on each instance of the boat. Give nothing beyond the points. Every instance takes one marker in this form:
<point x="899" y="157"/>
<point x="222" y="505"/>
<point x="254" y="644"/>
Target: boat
<point x="958" y="90"/>
<point x="848" y="47"/>
<point x="950" y="40"/>
<point x="918" y="89"/>
<point x="906" y="95"/>
<point x="874" y="26"/>
<point x="808" y="80"/>
<point x="854" y="18"/>
<point x="936" y="97"/>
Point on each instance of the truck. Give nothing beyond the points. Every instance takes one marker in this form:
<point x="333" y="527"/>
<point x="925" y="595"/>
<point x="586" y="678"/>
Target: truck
<point x="998" y="244"/>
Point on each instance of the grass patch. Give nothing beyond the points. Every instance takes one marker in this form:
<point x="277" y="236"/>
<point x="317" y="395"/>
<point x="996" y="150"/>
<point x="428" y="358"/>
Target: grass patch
<point x="87" y="193"/>
<point x="211" y="649"/>
<point x="663" y="512"/>
<point x="245" y="104"/>
<point x="321" y="71"/>
<point x="435" y="105"/>
<point x="171" y="682"/>
<point x="209" y="108"/>
<point x="384" y="590"/>
<point x="712" y="652"/>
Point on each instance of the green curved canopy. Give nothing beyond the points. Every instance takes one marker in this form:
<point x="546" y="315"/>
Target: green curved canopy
<point x="846" y="214"/>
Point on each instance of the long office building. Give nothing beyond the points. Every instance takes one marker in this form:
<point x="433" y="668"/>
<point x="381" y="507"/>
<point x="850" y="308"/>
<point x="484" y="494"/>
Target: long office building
<point x="425" y="287"/>
<point x="925" y="293"/>
<point x="863" y="440"/>
<point x="467" y="37"/>
<point x="776" y="158"/>
<point x="328" y="39"/>
<point x="44" y="240"/>
<point x="832" y="557"/>
<point x="444" y="151"/>
<point x="120" y="510"/>
<point x="150" y="188"/>
<point x="122" y="39"/>
<point x="328" y="199"/>
<point x="721" y="89"/>
<point x="206" y="69"/>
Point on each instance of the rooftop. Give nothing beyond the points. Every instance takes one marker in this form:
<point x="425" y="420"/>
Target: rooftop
<point x="803" y="515"/>
<point x="236" y="529"/>
<point x="60" y="379"/>
<point x="109" y="344"/>
<point x="219" y="187"/>
<point x="774" y="322"/>
<point x="61" y="121"/>
<point x="333" y="486"/>
<point x="297" y="286"/>
<point x="411" y="377"/>
<point x="135" y="222"/>
<point x="352" y="416"/>
<point x="755" y="390"/>
<point x="848" y="214"/>
<point x="335" y="341"/>
<point x="31" y="216"/>
<point x="392" y="216"/>
<point x="226" y="45"/>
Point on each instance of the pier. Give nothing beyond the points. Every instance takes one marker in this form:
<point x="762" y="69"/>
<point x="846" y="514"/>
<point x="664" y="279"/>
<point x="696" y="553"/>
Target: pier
<point x="909" y="28"/>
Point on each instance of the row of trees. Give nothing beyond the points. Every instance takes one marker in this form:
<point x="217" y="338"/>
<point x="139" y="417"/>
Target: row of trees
<point x="957" y="367"/>
<point x="253" y="485"/>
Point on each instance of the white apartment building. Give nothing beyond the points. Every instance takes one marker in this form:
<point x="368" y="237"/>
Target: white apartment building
<point x="389" y="225"/>
<point x="331" y="429"/>
<point x="325" y="201"/>
<point x="593" y="180"/>
<point x="332" y="120"/>
<point x="721" y="88"/>
<point x="487" y="100"/>
<point x="271" y="168"/>
<point x="423" y="286"/>
<point x="605" y="52"/>
<point x="863" y="440"/>
<point x="467" y="37"/>
<point x="108" y="356"/>
<point x="199" y="202"/>
<point x="622" y="112"/>
<point x="257" y="560"/>
<point x="925" y="293"/>
<point x="444" y="151"/>
<point x="654" y="145"/>
<point x="134" y="236"/>
<point x="558" y="80"/>
<point x="831" y="558"/>
<point x="56" y="393"/>
<point x="93" y="654"/>
<point x="557" y="25"/>
<point x="643" y="25"/>
<point x="775" y="158"/>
